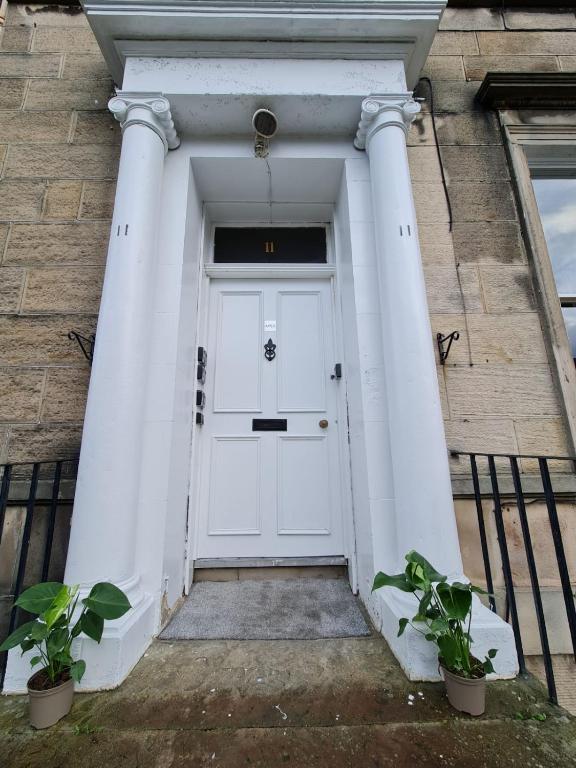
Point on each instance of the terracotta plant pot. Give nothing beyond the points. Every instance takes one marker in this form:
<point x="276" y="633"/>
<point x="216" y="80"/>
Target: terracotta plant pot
<point x="50" y="705"/>
<point x="465" y="694"/>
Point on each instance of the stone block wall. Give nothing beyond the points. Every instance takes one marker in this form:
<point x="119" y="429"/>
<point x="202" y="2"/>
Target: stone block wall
<point x="59" y="151"/>
<point x="544" y="557"/>
<point x="498" y="389"/>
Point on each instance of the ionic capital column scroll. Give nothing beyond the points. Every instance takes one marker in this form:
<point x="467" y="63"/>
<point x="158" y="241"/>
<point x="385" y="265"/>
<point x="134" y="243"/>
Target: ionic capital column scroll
<point x="380" y="111"/>
<point x="149" y="109"/>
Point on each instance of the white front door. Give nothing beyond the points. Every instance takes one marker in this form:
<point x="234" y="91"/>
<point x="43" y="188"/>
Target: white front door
<point x="270" y="488"/>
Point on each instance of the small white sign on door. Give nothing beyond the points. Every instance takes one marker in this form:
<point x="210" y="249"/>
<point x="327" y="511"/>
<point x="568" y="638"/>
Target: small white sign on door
<point x="270" y="326"/>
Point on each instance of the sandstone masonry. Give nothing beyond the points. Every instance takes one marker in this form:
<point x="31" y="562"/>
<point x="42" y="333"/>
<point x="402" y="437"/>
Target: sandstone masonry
<point x="499" y="393"/>
<point x="59" y="151"/>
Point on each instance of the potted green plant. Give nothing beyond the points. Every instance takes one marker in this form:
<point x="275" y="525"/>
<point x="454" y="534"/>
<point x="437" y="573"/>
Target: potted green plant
<point x="51" y="688"/>
<point x="443" y="617"/>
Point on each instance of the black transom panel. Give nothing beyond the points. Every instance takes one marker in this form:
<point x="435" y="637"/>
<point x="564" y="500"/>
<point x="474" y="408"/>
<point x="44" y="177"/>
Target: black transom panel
<point x="270" y="245"/>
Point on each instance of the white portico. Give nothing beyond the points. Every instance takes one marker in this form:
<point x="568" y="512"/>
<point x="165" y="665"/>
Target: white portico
<point x="338" y="75"/>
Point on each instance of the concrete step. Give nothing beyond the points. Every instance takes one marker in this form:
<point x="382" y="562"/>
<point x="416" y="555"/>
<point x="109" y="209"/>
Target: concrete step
<point x="338" y="702"/>
<point x="484" y="744"/>
<point x="253" y="684"/>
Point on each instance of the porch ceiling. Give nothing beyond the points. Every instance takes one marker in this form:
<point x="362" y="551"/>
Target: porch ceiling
<point x="282" y="180"/>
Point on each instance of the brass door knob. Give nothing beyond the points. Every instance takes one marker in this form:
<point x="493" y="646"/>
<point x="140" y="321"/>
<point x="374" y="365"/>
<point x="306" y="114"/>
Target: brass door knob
<point x="323" y="423"/>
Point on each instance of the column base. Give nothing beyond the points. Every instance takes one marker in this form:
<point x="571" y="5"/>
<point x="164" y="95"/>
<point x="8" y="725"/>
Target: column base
<point x="107" y="663"/>
<point x="418" y="657"/>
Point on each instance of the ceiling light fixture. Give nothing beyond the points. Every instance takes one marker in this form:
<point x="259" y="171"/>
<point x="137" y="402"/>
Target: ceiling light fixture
<point x="265" y="123"/>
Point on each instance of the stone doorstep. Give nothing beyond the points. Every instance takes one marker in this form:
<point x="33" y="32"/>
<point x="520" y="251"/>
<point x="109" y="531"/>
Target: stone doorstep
<point x="271" y="572"/>
<point x="303" y="703"/>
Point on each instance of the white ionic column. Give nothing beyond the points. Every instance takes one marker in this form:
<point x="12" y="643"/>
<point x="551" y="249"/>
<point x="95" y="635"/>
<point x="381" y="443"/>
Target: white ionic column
<point x="105" y="518"/>
<point x="424" y="510"/>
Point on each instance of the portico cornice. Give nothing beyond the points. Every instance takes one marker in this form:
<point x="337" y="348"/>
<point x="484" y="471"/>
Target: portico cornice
<point x="380" y="111"/>
<point x="273" y="7"/>
<point x="169" y="28"/>
<point x="149" y="109"/>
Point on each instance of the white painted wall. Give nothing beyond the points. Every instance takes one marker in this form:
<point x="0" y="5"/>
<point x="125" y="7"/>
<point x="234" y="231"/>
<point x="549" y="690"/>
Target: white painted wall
<point x="170" y="389"/>
<point x="263" y="76"/>
<point x="310" y="96"/>
<point x="369" y="444"/>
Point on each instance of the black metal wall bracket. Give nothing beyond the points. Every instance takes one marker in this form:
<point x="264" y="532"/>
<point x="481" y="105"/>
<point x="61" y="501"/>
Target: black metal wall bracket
<point x="441" y="341"/>
<point x="86" y="344"/>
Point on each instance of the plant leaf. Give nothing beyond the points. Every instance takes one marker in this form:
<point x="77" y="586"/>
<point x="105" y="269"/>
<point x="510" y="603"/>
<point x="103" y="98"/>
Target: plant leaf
<point x="492" y="652"/>
<point x="77" y="670"/>
<point x="18" y="636"/>
<point x="425" y="603"/>
<point x="107" y="601"/>
<point x="430" y="572"/>
<point x="27" y="645"/>
<point x="63" y="657"/>
<point x="58" y="606"/>
<point x="61" y="621"/>
<point x="449" y="651"/>
<point x="400" y="581"/>
<point x="488" y="666"/>
<point x="38" y="598"/>
<point x="38" y="631"/>
<point x="402" y="624"/>
<point x="92" y="625"/>
<point x="77" y="628"/>
<point x="56" y="640"/>
<point x="455" y="600"/>
<point x="439" y="625"/>
<point x="417" y="577"/>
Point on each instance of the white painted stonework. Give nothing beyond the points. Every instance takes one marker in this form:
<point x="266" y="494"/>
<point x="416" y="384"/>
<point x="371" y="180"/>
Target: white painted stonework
<point x="338" y="75"/>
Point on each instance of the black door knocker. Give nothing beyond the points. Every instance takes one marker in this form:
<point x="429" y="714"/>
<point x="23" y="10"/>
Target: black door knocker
<point x="269" y="350"/>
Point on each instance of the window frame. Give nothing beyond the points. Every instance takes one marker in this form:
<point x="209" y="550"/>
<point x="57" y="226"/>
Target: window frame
<point x="543" y="143"/>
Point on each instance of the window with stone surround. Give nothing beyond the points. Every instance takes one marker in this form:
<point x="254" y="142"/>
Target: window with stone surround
<point x="541" y="145"/>
<point x="556" y="199"/>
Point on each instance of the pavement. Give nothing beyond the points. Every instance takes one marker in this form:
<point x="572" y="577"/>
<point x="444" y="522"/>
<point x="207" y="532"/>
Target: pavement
<point x="337" y="703"/>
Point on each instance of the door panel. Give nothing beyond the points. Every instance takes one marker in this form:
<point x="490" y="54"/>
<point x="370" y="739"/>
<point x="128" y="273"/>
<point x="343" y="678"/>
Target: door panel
<point x="302" y="364"/>
<point x="237" y="375"/>
<point x="270" y="493"/>
<point x="234" y="504"/>
<point x="303" y="479"/>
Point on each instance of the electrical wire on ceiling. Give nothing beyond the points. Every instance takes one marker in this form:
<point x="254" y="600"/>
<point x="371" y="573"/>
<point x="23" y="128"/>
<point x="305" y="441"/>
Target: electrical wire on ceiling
<point x="269" y="171"/>
<point x="503" y="12"/>
<point x="265" y="124"/>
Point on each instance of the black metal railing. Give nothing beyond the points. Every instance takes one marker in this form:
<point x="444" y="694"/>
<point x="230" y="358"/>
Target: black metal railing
<point x="35" y="507"/>
<point x="490" y="473"/>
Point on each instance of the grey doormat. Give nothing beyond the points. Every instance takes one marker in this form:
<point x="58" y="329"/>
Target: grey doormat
<point x="295" y="609"/>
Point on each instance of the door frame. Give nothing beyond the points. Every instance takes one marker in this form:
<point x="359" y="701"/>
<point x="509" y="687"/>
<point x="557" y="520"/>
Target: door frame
<point x="209" y="272"/>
